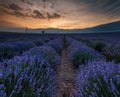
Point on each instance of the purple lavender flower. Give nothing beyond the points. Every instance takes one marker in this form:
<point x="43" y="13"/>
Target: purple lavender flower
<point x="28" y="75"/>
<point x="80" y="53"/>
<point x="32" y="74"/>
<point x="98" y="78"/>
<point x="10" y="49"/>
<point x="57" y="44"/>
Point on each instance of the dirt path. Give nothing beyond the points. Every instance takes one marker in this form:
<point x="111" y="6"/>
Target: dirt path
<point x="66" y="74"/>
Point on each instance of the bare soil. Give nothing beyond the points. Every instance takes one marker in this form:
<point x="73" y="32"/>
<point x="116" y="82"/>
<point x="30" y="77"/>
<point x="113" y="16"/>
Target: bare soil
<point x="65" y="77"/>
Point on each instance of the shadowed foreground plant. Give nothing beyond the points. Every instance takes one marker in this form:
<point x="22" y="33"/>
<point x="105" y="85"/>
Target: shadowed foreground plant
<point x="98" y="79"/>
<point x="27" y="76"/>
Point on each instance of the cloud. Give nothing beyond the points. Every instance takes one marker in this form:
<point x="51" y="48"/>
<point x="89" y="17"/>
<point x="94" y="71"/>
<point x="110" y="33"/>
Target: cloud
<point x="19" y="14"/>
<point x="43" y="0"/>
<point x="23" y="1"/>
<point x="12" y="9"/>
<point x="80" y="12"/>
<point x="28" y="2"/>
<point x="16" y="10"/>
<point x="4" y="11"/>
<point x="106" y="7"/>
<point x="56" y="15"/>
<point x="38" y="14"/>
<point x="15" y="7"/>
<point x="53" y="16"/>
<point x="20" y="10"/>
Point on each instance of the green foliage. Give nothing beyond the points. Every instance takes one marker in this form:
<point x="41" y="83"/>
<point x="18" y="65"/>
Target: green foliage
<point x="8" y="52"/>
<point x="97" y="46"/>
<point x="100" y="87"/>
<point x="82" y="57"/>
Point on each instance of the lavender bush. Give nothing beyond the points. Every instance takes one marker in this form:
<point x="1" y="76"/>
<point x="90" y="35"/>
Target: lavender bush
<point x="46" y="52"/>
<point x="10" y="49"/>
<point x="38" y="42"/>
<point x="112" y="52"/>
<point x="80" y="53"/>
<point x="102" y="47"/>
<point x="57" y="44"/>
<point x="110" y="49"/>
<point x="7" y="51"/>
<point x="31" y="75"/>
<point x="99" y="46"/>
<point x="27" y="76"/>
<point x="47" y="39"/>
<point x="98" y="79"/>
<point x="23" y="45"/>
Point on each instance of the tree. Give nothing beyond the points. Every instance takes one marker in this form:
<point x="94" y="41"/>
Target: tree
<point x="43" y="32"/>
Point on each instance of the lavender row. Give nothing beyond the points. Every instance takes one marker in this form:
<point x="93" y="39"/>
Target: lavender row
<point x="111" y="49"/>
<point x="27" y="76"/>
<point x="57" y="44"/>
<point x="10" y="49"/>
<point x="80" y="53"/>
<point x="31" y="75"/>
<point x="49" y="50"/>
<point x="98" y="79"/>
<point x="15" y="47"/>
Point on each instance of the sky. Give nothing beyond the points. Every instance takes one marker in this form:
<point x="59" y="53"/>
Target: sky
<point x="63" y="14"/>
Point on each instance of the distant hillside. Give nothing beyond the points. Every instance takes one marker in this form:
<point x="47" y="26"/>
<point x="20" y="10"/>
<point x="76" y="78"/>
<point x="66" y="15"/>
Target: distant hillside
<point x="110" y="27"/>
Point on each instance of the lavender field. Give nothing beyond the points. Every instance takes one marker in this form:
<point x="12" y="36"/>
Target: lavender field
<point x="60" y="65"/>
<point x="59" y="48"/>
